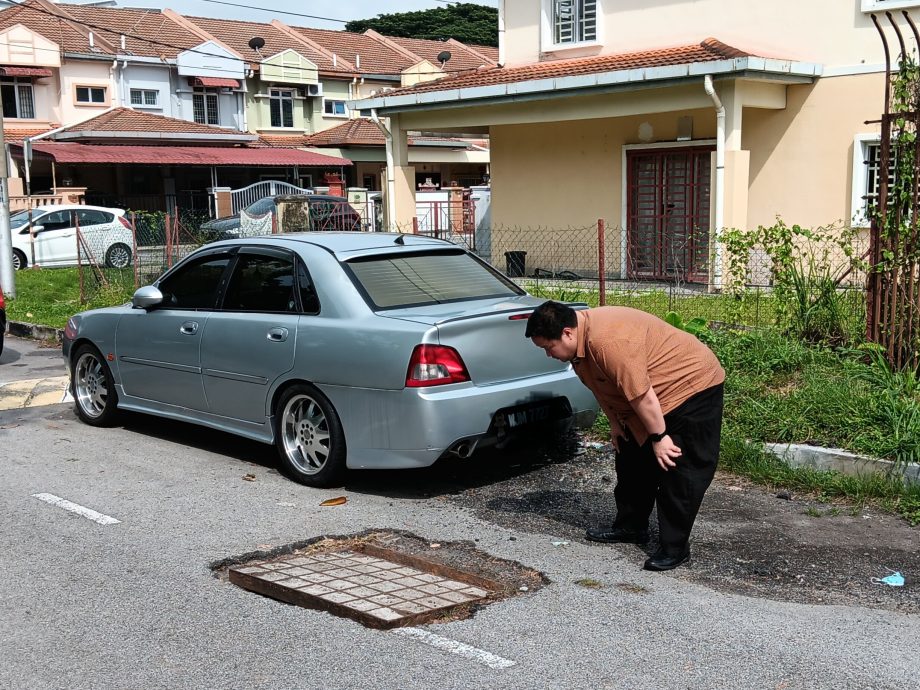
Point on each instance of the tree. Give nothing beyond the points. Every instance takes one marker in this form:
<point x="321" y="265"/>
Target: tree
<point x="465" y="22"/>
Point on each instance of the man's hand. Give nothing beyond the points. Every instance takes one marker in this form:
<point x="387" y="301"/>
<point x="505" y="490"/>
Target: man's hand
<point x="666" y="452"/>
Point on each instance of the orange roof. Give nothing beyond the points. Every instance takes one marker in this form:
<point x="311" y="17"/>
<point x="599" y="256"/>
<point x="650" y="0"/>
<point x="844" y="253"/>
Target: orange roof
<point x="237" y="34"/>
<point x="15" y="136"/>
<point x="69" y="35"/>
<point x="169" y="38"/>
<point x="281" y="141"/>
<point x="363" y="132"/>
<point x="374" y="57"/>
<point x="460" y="59"/>
<point x="127" y="120"/>
<point x="709" y="50"/>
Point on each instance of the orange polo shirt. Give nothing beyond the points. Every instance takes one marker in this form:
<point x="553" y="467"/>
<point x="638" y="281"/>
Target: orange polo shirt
<point x="622" y="351"/>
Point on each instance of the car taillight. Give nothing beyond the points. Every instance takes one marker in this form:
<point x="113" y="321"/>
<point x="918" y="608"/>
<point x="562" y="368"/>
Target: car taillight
<point x="435" y="365"/>
<point x="70" y="330"/>
<point x="124" y="221"/>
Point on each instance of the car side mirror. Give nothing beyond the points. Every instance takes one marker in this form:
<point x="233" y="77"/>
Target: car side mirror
<point x="37" y="229"/>
<point x="147" y="297"/>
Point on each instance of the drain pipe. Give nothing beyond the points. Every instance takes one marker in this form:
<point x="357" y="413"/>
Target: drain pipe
<point x="720" y="177"/>
<point x="391" y="180"/>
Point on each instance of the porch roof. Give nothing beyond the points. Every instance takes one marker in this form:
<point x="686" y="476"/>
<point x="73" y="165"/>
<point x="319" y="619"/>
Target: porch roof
<point x="363" y="132"/>
<point x="184" y="155"/>
<point x="556" y="77"/>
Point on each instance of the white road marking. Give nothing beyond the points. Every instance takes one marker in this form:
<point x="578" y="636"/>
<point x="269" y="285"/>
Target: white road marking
<point x="88" y="513"/>
<point x="67" y="397"/>
<point x="454" y="647"/>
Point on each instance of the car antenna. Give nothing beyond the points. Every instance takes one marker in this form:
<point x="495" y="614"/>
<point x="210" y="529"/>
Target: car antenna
<point x="399" y="240"/>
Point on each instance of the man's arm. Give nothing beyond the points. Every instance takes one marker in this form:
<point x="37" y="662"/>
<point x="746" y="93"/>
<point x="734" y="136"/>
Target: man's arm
<point x="648" y="409"/>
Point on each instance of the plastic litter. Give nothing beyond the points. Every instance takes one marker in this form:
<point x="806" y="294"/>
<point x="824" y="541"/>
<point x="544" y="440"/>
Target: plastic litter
<point x="560" y="543"/>
<point x="893" y="580"/>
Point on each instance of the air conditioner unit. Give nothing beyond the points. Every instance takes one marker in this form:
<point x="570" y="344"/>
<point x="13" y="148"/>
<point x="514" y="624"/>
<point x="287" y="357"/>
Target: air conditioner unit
<point x="314" y="89"/>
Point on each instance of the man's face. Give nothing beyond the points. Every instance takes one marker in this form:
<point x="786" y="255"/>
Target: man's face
<point x="564" y="348"/>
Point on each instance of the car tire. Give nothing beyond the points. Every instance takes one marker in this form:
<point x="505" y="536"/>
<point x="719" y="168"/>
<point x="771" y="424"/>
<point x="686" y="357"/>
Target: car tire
<point x="118" y="256"/>
<point x="95" y="399"/>
<point x="19" y="260"/>
<point x="309" y="437"/>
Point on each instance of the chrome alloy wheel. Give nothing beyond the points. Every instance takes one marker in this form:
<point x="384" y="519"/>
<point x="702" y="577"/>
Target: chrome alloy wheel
<point x="119" y="256"/>
<point x="305" y="433"/>
<point x="89" y="385"/>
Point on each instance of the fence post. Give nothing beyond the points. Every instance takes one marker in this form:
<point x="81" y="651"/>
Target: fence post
<point x="167" y="230"/>
<point x="415" y="225"/>
<point x="601" y="264"/>
<point x="79" y="261"/>
<point x="134" y="249"/>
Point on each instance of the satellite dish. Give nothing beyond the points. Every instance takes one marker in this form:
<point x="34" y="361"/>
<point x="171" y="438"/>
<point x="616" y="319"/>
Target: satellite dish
<point x="256" y="42"/>
<point x="443" y="57"/>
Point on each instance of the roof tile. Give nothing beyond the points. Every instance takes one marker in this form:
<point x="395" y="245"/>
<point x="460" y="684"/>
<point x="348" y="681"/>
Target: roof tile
<point x="127" y="120"/>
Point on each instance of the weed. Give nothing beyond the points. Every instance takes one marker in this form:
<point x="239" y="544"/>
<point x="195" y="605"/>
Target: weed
<point x="589" y="583"/>
<point x="813" y="512"/>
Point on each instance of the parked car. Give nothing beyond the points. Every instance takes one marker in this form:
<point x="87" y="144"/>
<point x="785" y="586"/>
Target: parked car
<point x="323" y="212"/>
<point x="2" y="319"/>
<point x="225" y="228"/>
<point x="358" y="350"/>
<point x="53" y="242"/>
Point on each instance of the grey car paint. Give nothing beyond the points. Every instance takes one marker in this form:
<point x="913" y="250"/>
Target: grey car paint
<point x="229" y="372"/>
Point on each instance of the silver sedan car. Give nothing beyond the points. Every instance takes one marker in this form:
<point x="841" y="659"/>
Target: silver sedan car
<point x="345" y="350"/>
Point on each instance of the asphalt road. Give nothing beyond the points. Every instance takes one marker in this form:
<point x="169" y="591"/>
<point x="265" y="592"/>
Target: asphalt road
<point x="135" y="604"/>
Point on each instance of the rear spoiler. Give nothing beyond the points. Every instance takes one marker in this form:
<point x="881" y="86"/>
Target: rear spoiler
<point x="516" y="313"/>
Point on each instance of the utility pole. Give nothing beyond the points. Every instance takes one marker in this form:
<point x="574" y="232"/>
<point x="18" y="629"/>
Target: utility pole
<point x="7" y="275"/>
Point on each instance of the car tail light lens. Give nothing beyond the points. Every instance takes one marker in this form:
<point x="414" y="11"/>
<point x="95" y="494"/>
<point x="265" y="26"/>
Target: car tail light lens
<point x="124" y="221"/>
<point x="70" y="330"/>
<point x="435" y="365"/>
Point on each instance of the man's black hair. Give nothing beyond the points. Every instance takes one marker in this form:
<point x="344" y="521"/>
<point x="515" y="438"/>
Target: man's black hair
<point x="549" y="319"/>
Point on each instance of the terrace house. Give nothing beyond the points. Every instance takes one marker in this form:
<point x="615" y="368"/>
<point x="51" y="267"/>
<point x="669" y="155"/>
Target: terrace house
<point x="670" y="120"/>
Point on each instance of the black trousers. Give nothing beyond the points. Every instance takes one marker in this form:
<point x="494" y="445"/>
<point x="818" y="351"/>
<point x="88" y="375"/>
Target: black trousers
<point x="696" y="428"/>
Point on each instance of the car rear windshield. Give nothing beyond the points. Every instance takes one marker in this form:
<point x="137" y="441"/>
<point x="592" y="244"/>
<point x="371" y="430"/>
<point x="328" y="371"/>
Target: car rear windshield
<point x="406" y="280"/>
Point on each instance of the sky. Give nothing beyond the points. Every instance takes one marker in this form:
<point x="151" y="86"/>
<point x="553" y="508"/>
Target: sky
<point x="266" y="10"/>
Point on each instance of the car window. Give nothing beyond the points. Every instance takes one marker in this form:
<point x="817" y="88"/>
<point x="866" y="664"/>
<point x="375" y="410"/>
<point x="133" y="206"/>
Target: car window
<point x="308" y="297"/>
<point x="261" y="282"/>
<point x="56" y="220"/>
<point x="88" y="216"/>
<point x="391" y="281"/>
<point x="261" y="207"/>
<point x="20" y="218"/>
<point x="194" y="285"/>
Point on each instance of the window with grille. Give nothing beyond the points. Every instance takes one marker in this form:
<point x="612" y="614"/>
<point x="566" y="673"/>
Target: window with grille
<point x="574" y="21"/>
<point x="281" y="103"/>
<point x="204" y="107"/>
<point x="18" y="101"/>
<point x="148" y="97"/>
<point x="91" y="95"/>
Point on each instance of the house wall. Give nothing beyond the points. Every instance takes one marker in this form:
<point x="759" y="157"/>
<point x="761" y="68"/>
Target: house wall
<point x="150" y="77"/>
<point x="259" y="112"/>
<point x="836" y="33"/>
<point x="76" y="73"/>
<point x="332" y="88"/>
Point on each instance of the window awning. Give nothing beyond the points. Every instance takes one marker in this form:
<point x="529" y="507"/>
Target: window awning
<point x="16" y="71"/>
<point x="183" y="155"/>
<point x="215" y="81"/>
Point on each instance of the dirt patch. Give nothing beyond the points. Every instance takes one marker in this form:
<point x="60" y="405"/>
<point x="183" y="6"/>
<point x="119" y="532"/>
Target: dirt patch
<point x="747" y="539"/>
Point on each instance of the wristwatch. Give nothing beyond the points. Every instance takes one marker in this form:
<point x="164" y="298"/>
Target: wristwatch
<point x="655" y="438"/>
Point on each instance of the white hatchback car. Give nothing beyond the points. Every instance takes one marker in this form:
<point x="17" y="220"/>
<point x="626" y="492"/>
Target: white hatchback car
<point x="51" y="237"/>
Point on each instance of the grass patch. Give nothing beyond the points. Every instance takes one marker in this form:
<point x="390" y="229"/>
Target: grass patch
<point x="589" y="583"/>
<point x="50" y="296"/>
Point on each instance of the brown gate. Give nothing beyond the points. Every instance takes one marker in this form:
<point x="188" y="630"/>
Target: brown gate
<point x="667" y="229"/>
<point x="894" y="277"/>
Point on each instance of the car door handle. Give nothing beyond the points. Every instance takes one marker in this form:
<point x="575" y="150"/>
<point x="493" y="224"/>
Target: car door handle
<point x="277" y="335"/>
<point x="189" y="328"/>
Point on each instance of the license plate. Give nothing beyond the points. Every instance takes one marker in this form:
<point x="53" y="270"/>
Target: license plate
<point x="533" y="413"/>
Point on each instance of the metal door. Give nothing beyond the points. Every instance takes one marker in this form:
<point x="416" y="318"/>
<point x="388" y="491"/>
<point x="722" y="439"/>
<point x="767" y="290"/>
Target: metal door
<point x="668" y="193"/>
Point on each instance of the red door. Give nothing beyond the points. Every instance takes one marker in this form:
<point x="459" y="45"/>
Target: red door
<point x="667" y="227"/>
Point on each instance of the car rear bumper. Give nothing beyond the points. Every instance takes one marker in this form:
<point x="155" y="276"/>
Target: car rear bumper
<point x="414" y="427"/>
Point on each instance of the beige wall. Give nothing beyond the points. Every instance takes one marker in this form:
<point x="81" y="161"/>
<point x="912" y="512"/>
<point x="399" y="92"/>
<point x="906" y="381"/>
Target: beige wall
<point x="84" y="73"/>
<point x="802" y="157"/>
<point x="836" y="33"/>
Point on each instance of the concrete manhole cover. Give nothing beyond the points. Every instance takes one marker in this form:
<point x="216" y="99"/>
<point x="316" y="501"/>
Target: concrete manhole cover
<point x="382" y="586"/>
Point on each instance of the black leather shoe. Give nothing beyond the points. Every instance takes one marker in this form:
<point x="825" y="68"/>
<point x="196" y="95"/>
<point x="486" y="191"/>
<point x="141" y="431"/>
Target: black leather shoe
<point x="663" y="561"/>
<point x="616" y="535"/>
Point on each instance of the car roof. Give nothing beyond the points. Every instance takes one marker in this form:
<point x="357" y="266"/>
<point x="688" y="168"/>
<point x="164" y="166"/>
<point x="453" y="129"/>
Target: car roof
<point x="342" y="243"/>
<point x="313" y="197"/>
<point x="73" y="207"/>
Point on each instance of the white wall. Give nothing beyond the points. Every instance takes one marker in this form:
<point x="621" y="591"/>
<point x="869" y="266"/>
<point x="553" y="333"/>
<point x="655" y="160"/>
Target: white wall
<point x="149" y="77"/>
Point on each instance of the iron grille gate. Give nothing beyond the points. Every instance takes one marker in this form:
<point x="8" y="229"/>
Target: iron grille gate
<point x="893" y="294"/>
<point x="668" y="214"/>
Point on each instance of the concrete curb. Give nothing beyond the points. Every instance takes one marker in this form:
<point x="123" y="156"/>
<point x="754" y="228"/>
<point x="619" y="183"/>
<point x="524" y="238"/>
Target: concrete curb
<point x="842" y="461"/>
<point x="34" y="331"/>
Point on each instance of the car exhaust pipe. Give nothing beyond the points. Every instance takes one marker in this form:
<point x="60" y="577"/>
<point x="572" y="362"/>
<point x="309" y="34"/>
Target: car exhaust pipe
<point x="463" y="449"/>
